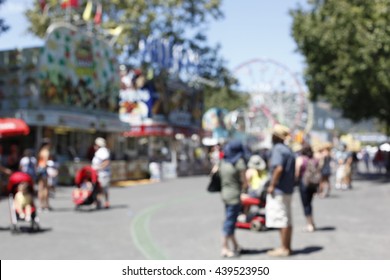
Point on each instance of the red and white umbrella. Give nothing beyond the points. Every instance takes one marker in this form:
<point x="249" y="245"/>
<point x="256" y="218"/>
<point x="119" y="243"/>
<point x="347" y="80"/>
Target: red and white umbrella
<point x="13" y="127"/>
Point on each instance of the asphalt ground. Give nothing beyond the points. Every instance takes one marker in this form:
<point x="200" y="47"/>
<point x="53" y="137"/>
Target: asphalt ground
<point x="178" y="219"/>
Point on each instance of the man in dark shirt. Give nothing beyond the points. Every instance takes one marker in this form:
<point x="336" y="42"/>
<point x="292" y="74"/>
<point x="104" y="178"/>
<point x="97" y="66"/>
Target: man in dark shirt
<point x="278" y="207"/>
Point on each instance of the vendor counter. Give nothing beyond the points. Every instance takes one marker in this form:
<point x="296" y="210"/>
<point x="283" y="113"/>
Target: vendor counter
<point x="120" y="170"/>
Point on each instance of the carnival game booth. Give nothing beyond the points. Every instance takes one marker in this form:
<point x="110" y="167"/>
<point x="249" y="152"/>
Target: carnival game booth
<point x="164" y="117"/>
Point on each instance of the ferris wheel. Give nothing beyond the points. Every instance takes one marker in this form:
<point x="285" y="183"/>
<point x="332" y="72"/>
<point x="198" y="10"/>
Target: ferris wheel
<point x="275" y="96"/>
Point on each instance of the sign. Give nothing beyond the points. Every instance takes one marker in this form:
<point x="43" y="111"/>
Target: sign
<point x="78" y="69"/>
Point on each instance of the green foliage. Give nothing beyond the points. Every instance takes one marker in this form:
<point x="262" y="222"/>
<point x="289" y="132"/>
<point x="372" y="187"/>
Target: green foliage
<point x="224" y="98"/>
<point x="3" y="26"/>
<point x="346" y="44"/>
<point x="182" y="19"/>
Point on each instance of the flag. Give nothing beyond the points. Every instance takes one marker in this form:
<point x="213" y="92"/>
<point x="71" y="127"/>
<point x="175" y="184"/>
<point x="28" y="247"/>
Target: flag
<point x="98" y="15"/>
<point x="42" y="4"/>
<point x="69" y="3"/>
<point x="88" y="11"/>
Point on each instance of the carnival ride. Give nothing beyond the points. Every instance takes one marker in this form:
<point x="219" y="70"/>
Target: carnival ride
<point x="276" y="95"/>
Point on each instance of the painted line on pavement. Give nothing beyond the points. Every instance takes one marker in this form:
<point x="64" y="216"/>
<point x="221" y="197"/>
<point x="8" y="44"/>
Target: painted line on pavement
<point x="141" y="234"/>
<point x="140" y="229"/>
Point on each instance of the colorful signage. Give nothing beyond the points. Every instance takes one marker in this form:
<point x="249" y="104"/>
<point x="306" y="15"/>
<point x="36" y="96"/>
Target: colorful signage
<point x="78" y="69"/>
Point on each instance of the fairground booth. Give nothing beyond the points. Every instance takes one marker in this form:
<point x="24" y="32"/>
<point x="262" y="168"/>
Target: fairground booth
<point x="72" y="89"/>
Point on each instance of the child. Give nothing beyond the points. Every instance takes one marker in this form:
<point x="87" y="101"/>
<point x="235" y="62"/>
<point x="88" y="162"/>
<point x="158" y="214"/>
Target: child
<point x="85" y="188"/>
<point x="23" y="201"/>
<point x="256" y="176"/>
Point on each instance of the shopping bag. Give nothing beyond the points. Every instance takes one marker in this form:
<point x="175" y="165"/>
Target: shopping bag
<point x="215" y="183"/>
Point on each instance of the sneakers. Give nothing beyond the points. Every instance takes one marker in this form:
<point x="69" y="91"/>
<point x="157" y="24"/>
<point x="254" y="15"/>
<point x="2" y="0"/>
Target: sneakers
<point x="279" y="252"/>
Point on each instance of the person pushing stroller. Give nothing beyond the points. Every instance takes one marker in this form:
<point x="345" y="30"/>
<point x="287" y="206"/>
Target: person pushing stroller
<point x="102" y="164"/>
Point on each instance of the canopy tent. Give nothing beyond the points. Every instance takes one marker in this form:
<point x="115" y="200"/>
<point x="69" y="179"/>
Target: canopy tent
<point x="13" y="127"/>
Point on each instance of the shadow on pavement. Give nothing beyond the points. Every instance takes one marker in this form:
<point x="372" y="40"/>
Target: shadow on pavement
<point x="325" y="228"/>
<point x="307" y="250"/>
<point x="62" y="209"/>
<point x="332" y="196"/>
<point x="381" y="177"/>
<point x="253" y="251"/>
<point x="26" y="229"/>
<point x="88" y="209"/>
<point x="304" y="251"/>
<point x="119" y="206"/>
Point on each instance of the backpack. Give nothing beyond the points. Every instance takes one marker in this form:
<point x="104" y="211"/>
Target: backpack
<point x="312" y="174"/>
<point x="31" y="169"/>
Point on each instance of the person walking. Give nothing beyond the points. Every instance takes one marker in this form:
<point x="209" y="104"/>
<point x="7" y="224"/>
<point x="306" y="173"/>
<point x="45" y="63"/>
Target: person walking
<point x="232" y="172"/>
<point x="41" y="172"/>
<point x="52" y="175"/>
<point x="308" y="176"/>
<point x="326" y="171"/>
<point x="4" y="173"/>
<point x="102" y="164"/>
<point x="344" y="168"/>
<point x="28" y="164"/>
<point x="279" y="192"/>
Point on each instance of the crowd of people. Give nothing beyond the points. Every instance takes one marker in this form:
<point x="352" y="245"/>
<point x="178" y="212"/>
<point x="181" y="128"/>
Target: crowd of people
<point x="43" y="170"/>
<point x="272" y="176"/>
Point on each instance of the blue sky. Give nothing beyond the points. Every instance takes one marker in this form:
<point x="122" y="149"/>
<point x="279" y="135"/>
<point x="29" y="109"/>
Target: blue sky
<point x="257" y="29"/>
<point x="251" y="29"/>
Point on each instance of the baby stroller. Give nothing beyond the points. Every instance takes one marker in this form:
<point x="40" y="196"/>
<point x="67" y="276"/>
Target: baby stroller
<point x="14" y="180"/>
<point x="86" y="196"/>
<point x="254" y="219"/>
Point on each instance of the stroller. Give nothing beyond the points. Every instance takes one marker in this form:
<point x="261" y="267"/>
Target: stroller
<point x="255" y="218"/>
<point x="12" y="188"/>
<point x="87" y="188"/>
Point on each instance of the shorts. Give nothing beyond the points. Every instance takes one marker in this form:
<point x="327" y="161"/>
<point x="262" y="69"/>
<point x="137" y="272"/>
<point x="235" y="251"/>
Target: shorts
<point x="104" y="180"/>
<point x="278" y="211"/>
<point x="41" y="172"/>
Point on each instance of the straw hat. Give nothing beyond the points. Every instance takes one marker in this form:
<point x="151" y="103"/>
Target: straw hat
<point x="281" y="131"/>
<point x="256" y="162"/>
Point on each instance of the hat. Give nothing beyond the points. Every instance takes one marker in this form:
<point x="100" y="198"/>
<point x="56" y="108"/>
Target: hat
<point x="256" y="162"/>
<point x="233" y="151"/>
<point x="281" y="131"/>
<point x="100" y="142"/>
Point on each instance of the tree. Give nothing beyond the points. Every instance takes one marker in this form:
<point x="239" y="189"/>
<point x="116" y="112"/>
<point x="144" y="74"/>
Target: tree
<point x="183" y="21"/>
<point x="346" y="44"/>
<point x="219" y="83"/>
<point x="3" y="26"/>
